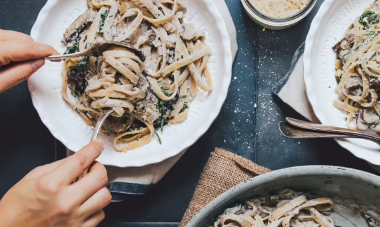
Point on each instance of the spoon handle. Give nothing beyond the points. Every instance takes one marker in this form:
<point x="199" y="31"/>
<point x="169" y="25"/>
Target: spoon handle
<point x="66" y="56"/>
<point x="347" y="133"/>
<point x="294" y="132"/>
<point x="96" y="48"/>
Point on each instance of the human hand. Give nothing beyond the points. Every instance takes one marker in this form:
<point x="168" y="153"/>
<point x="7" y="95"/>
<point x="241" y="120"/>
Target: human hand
<point x="20" y="57"/>
<point x="48" y="197"/>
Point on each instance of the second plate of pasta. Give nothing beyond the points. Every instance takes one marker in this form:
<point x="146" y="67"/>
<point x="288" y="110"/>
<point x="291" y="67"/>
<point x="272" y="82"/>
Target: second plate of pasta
<point x="339" y="81"/>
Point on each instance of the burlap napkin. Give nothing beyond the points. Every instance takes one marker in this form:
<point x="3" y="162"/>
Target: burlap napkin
<point x="223" y="170"/>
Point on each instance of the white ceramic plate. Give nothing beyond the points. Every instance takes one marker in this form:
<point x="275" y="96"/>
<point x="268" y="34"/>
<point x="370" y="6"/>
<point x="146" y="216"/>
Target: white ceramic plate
<point x="329" y="27"/>
<point x="68" y="127"/>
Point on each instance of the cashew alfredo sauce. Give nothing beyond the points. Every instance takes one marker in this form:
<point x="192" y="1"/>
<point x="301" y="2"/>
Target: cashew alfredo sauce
<point x="279" y="8"/>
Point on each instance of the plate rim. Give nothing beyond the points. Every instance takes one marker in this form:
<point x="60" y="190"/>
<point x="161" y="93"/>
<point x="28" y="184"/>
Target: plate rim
<point x="207" y="122"/>
<point x="309" y="43"/>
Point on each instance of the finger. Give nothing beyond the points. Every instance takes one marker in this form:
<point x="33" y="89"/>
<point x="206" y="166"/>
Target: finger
<point x="13" y="51"/>
<point x="96" y="202"/>
<point x="76" y="164"/>
<point x="19" y="72"/>
<point x="14" y="36"/>
<point x="89" y="184"/>
<point x="42" y="170"/>
<point x="95" y="219"/>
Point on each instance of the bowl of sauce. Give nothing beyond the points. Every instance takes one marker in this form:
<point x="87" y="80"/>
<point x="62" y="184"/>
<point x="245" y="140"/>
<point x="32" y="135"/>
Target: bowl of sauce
<point x="278" y="14"/>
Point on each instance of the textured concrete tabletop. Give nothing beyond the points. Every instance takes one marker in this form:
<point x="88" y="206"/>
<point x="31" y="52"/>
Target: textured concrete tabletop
<point x="247" y="124"/>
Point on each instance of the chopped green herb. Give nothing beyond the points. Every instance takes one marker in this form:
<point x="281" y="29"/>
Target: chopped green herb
<point x="73" y="49"/>
<point x="345" y="56"/>
<point x="76" y="77"/>
<point x="367" y="38"/>
<point x="82" y="66"/>
<point x="164" y="107"/>
<point x="166" y="93"/>
<point x="185" y="106"/>
<point x="369" y="18"/>
<point x="103" y="20"/>
<point x="159" y="139"/>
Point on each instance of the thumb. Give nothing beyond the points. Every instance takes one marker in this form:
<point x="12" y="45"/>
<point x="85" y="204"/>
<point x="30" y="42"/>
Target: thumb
<point x="17" y="73"/>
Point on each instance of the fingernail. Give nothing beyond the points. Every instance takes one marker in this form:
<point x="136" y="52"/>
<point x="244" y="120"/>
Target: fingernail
<point x="100" y="142"/>
<point x="38" y="64"/>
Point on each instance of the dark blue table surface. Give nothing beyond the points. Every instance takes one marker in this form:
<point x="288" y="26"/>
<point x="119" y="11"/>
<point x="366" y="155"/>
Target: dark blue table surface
<point x="263" y="58"/>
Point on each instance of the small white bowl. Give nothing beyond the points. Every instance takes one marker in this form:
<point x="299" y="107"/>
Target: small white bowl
<point x="276" y="23"/>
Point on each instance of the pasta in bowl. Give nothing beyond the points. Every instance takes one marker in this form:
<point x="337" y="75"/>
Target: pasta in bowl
<point x="192" y="120"/>
<point x="144" y="94"/>
<point x="287" y="208"/>
<point x="307" y="196"/>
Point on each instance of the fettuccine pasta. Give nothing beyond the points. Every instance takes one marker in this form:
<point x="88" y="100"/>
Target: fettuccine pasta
<point x="286" y="209"/>
<point x="147" y="86"/>
<point x="358" y="72"/>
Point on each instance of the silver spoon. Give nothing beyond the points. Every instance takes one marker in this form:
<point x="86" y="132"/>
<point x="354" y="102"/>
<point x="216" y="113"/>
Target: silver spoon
<point x="97" y="48"/>
<point x="298" y="129"/>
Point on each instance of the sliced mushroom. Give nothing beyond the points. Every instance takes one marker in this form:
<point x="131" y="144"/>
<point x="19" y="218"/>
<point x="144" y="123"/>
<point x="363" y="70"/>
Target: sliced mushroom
<point x="376" y="5"/>
<point x="354" y="82"/>
<point x="79" y="25"/>
<point x="362" y="125"/>
<point x="370" y="116"/>
<point x="146" y="109"/>
<point x="375" y="127"/>
<point x="188" y="31"/>
<point x="338" y="46"/>
<point x="351" y="36"/>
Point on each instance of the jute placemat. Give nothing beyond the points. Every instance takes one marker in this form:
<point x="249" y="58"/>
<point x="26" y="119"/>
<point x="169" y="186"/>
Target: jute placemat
<point x="223" y="171"/>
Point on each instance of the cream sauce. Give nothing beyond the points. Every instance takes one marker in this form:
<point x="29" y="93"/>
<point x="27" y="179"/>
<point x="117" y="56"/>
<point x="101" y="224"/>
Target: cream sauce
<point x="279" y="8"/>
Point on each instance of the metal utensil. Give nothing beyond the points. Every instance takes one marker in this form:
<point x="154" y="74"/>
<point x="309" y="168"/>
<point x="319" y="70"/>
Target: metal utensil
<point x="97" y="48"/>
<point x="302" y="129"/>
<point x="103" y="116"/>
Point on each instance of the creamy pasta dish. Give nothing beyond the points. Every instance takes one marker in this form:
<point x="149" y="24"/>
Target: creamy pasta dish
<point x="286" y="209"/>
<point x="358" y="71"/>
<point x="147" y="88"/>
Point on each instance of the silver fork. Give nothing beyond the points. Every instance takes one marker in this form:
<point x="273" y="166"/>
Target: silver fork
<point x="297" y="129"/>
<point x="97" y="48"/>
<point x="103" y="116"/>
